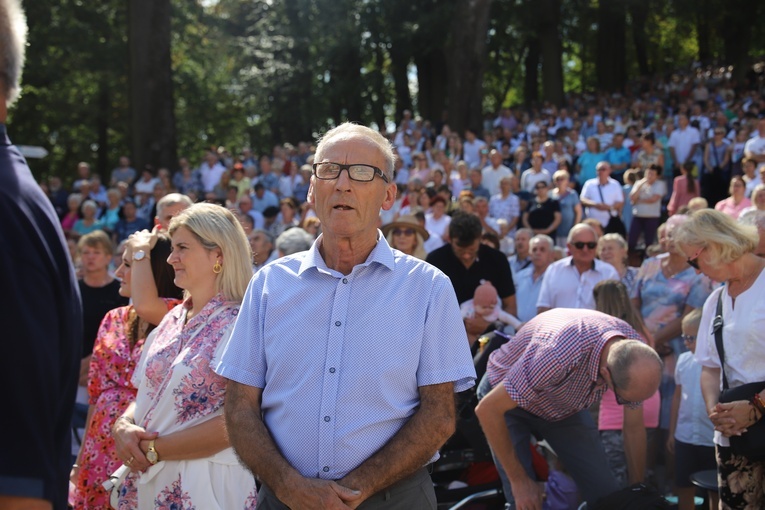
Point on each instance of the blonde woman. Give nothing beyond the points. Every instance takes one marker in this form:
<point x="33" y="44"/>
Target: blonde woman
<point x="173" y="436"/>
<point x="612" y="248"/>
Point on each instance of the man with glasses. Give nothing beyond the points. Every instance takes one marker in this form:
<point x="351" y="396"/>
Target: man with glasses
<point x="345" y="358"/>
<point x="543" y="383"/>
<point x="569" y="282"/>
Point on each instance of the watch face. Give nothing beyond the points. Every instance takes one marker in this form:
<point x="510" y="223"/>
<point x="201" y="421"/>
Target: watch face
<point x="151" y="456"/>
<point x="139" y="255"/>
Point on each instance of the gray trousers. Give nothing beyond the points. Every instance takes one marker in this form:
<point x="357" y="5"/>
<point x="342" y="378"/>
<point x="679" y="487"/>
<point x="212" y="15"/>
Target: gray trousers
<point x="412" y="493"/>
<point x="575" y="441"/>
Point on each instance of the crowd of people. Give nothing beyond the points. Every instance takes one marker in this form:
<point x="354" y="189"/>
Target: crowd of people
<point x="232" y="313"/>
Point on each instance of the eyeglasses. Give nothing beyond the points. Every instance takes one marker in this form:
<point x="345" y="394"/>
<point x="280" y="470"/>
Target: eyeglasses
<point x="356" y="171"/>
<point x="541" y="186"/>
<point x="688" y="338"/>
<point x="619" y="400"/>
<point x="579" y="245"/>
<point x="403" y="231"/>
<point x="693" y="261"/>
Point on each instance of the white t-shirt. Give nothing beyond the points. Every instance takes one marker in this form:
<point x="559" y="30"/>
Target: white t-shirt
<point x="530" y="178"/>
<point x="491" y="176"/>
<point x="436" y="228"/>
<point x="612" y="194"/>
<point x="471" y="152"/>
<point x="743" y="337"/>
<point x="564" y="287"/>
<point x="682" y="140"/>
<point x="755" y="145"/>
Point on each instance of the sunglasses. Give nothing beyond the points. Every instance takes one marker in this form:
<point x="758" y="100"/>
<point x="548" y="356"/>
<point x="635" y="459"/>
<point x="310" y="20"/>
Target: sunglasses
<point x="688" y="338"/>
<point x="403" y="231"/>
<point x="541" y="186"/>
<point x="693" y="261"/>
<point x="579" y="245"/>
<point x="619" y="400"/>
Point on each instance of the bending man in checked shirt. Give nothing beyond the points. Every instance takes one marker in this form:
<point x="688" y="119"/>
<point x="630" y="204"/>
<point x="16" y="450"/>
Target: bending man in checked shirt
<point x="543" y="380"/>
<point x="345" y="358"/>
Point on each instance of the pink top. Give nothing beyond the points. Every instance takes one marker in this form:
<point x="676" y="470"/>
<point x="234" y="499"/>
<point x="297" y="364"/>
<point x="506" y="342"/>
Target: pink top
<point x="611" y="415"/>
<point x="680" y="195"/>
<point x="728" y="207"/>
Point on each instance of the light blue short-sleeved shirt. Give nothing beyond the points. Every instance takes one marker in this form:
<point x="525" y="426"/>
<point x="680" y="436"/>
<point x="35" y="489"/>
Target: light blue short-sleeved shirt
<point x="340" y="357"/>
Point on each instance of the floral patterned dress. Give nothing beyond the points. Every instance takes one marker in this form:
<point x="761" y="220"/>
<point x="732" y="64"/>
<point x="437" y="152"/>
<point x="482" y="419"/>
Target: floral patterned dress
<point x="177" y="389"/>
<point x="110" y="392"/>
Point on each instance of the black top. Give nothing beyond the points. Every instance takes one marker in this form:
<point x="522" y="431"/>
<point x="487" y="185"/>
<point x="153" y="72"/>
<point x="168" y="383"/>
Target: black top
<point x="542" y="214"/>
<point x="96" y="302"/>
<point x="41" y="331"/>
<point x="490" y="265"/>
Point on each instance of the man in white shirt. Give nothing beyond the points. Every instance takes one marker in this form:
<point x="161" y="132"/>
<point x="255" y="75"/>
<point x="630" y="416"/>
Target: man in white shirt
<point x="755" y="146"/>
<point x="568" y="283"/>
<point x="535" y="174"/>
<point x="683" y="141"/>
<point x="210" y="171"/>
<point x="494" y="172"/>
<point x="602" y="196"/>
<point x="471" y="149"/>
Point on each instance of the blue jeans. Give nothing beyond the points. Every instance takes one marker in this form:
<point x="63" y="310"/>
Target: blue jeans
<point x="574" y="440"/>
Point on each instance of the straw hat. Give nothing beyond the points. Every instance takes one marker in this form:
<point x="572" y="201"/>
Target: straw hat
<point x="406" y="221"/>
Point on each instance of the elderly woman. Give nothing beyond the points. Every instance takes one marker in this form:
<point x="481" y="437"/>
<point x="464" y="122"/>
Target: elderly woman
<point x="173" y="436"/>
<point x="612" y="248"/>
<point x="407" y="235"/>
<point x="88" y="223"/>
<point x="666" y="290"/>
<point x="737" y="201"/>
<point x="758" y="200"/>
<point x="73" y="203"/>
<point x="117" y="349"/>
<point x="717" y="246"/>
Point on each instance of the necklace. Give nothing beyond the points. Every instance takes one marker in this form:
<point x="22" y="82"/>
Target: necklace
<point x="746" y="283"/>
<point x="669" y="269"/>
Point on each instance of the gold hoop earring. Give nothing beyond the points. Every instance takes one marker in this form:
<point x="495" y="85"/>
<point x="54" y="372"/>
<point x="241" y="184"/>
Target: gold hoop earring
<point x="217" y="268"/>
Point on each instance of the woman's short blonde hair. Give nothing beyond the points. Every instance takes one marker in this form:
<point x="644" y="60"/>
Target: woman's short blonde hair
<point x="724" y="239"/>
<point x="216" y="227"/>
<point x="561" y="173"/>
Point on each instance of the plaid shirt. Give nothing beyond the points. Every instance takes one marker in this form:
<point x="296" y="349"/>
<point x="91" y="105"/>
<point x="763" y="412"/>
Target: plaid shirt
<point x="550" y="368"/>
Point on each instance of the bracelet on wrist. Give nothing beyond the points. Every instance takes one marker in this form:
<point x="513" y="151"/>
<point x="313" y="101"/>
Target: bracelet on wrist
<point x="75" y="466"/>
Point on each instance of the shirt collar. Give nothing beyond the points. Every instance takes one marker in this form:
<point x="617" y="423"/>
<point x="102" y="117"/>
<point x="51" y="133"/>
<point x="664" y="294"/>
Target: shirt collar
<point x="571" y="263"/>
<point x="381" y="254"/>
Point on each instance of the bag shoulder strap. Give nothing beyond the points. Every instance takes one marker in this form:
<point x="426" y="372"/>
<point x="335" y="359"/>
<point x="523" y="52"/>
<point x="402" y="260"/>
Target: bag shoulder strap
<point x="717" y="325"/>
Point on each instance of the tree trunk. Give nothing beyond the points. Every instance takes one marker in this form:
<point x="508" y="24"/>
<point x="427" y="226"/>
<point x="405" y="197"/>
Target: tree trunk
<point x="431" y="80"/>
<point x="610" y="63"/>
<point x="639" y="14"/>
<point x="736" y="29"/>
<point x="399" y="63"/>
<point x="152" y="115"/>
<point x="531" y="66"/>
<point x="467" y="51"/>
<point x="551" y="51"/>
<point x="703" y="30"/>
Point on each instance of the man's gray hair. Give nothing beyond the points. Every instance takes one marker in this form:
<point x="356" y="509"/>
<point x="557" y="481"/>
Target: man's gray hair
<point x="544" y="238"/>
<point x="293" y="240"/>
<point x="172" y="199"/>
<point x="266" y="233"/>
<point x="624" y="354"/>
<point x="349" y="130"/>
<point x="13" y="41"/>
<point x="580" y="227"/>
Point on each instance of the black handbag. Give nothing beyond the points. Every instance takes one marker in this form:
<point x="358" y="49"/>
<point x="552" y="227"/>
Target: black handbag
<point x="750" y="444"/>
<point x="615" y="223"/>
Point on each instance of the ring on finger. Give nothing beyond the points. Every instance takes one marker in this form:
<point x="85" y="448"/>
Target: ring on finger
<point x="130" y="461"/>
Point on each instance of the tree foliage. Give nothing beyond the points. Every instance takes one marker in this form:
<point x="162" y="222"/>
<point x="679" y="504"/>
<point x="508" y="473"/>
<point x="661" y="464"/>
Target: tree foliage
<point x="261" y="72"/>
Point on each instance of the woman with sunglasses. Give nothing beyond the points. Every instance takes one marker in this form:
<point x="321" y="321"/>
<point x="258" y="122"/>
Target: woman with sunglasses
<point x="666" y="290"/>
<point x="616" y="418"/>
<point x="543" y="213"/>
<point x="407" y="235"/>
<point x="722" y="249"/>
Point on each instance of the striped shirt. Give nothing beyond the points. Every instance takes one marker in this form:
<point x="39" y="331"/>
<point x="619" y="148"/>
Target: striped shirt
<point x="340" y="357"/>
<point x="551" y="367"/>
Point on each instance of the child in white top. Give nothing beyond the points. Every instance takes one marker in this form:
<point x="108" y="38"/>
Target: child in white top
<point x="485" y="304"/>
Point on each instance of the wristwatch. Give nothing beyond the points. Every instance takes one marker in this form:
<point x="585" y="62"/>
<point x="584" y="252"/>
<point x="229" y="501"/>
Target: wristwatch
<point x="139" y="255"/>
<point x="151" y="454"/>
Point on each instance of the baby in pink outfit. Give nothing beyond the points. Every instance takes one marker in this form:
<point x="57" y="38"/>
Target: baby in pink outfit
<point x="485" y="304"/>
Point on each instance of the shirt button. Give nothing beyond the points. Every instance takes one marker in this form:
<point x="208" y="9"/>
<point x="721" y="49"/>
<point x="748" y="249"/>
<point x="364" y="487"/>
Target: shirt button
<point x="326" y="418"/>
<point x="345" y="280"/>
<point x="326" y="469"/>
<point x="332" y="370"/>
<point x="337" y="323"/>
